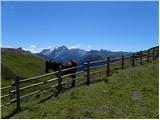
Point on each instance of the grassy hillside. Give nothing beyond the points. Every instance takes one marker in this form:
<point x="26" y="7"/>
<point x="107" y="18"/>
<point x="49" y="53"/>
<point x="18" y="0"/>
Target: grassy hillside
<point x="131" y="93"/>
<point x="19" y="63"/>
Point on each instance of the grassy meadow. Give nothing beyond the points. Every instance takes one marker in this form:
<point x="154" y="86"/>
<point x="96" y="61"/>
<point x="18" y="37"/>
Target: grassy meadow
<point x="130" y="93"/>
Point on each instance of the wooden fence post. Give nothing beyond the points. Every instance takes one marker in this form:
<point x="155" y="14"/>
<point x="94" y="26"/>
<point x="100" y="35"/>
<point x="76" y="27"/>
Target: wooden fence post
<point x="73" y="81"/>
<point x="158" y="52"/>
<point x="17" y="93"/>
<point x="108" y="66"/>
<point x="153" y="52"/>
<point x="147" y="55"/>
<point x="133" y="60"/>
<point x="157" y="55"/>
<point x="122" y="62"/>
<point x="141" y="58"/>
<point x="88" y="72"/>
<point x="59" y="87"/>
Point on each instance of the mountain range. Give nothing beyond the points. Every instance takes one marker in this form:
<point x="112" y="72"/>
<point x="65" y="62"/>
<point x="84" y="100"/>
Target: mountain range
<point x="63" y="54"/>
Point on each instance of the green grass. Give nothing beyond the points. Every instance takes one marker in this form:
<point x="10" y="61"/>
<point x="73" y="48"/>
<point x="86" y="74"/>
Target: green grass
<point x="21" y="65"/>
<point x="131" y="93"/>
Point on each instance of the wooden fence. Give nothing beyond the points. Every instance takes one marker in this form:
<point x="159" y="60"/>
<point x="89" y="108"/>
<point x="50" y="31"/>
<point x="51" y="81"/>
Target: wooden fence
<point x="16" y="88"/>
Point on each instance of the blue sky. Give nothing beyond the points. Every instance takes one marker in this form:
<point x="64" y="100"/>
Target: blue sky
<point x="118" y="26"/>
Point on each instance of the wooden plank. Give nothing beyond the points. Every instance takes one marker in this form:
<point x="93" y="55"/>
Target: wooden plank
<point x="35" y="92"/>
<point x="9" y="103"/>
<point x="112" y="63"/>
<point x="97" y="71"/>
<point x="98" y="66"/>
<point x="37" y="77"/>
<point x="6" y="87"/>
<point x="118" y="58"/>
<point x="4" y="96"/>
<point x="72" y="68"/>
<point x="79" y="77"/>
<point x="39" y="83"/>
<point x="98" y="61"/>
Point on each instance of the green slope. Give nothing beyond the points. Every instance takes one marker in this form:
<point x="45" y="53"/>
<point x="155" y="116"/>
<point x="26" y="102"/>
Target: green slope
<point x="131" y="93"/>
<point x="20" y="63"/>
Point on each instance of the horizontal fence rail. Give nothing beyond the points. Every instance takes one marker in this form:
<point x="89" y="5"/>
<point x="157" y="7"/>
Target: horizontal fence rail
<point x="38" y="77"/>
<point x="97" y="71"/>
<point x="85" y="72"/>
<point x="4" y="96"/>
<point x="98" y="61"/>
<point x="98" y="66"/>
<point x="35" y="92"/>
<point x="82" y="76"/>
<point x="115" y="62"/>
<point x="7" y="87"/>
<point x="73" y="68"/>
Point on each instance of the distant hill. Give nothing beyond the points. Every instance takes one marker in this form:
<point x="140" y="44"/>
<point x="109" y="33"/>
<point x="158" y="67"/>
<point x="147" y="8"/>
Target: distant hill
<point x="63" y="54"/>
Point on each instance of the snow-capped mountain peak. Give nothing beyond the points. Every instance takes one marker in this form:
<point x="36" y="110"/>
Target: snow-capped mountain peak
<point x="63" y="54"/>
<point x="46" y="52"/>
